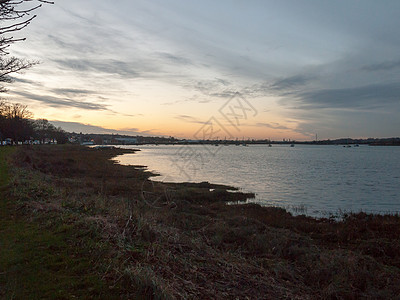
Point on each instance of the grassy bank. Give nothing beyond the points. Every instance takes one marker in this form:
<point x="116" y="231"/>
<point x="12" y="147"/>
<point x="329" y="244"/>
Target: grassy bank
<point x="99" y="229"/>
<point x="48" y="254"/>
<point x="4" y="153"/>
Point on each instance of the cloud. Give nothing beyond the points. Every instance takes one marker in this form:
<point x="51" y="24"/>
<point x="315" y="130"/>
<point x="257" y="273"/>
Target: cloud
<point x="273" y="126"/>
<point x="290" y="82"/>
<point x="72" y="92"/>
<point x="88" y="128"/>
<point x="383" y="66"/>
<point x="365" y="97"/>
<point x="195" y="98"/>
<point x="109" y="66"/>
<point x="175" y="59"/>
<point x="223" y="81"/>
<point x="68" y="102"/>
<point x="214" y="88"/>
<point x="278" y="87"/>
<point x="188" y="119"/>
<point x="300" y="127"/>
<point x="69" y="43"/>
<point x="23" y="80"/>
<point x="61" y="102"/>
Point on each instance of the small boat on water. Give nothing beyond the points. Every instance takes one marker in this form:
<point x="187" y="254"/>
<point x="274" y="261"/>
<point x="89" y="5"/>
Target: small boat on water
<point x="291" y="145"/>
<point x="269" y="145"/>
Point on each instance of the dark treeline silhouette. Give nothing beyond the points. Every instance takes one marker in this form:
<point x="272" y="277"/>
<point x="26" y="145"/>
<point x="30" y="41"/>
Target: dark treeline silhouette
<point x="17" y="126"/>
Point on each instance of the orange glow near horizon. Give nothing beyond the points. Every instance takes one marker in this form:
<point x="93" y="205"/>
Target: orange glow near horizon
<point x="187" y="119"/>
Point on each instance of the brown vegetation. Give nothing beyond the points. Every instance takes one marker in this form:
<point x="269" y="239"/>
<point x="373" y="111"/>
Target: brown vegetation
<point x="184" y="241"/>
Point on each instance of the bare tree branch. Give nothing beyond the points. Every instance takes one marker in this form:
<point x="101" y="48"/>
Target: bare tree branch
<point x="15" y="15"/>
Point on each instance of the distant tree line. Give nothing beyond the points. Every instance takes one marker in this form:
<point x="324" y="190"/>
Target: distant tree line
<point x="17" y="126"/>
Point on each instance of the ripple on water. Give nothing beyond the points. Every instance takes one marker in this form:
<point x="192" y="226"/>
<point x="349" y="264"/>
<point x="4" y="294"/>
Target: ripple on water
<point x="321" y="178"/>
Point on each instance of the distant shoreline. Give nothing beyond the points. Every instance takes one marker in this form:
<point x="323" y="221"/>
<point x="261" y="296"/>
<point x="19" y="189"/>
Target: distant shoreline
<point x="118" y="139"/>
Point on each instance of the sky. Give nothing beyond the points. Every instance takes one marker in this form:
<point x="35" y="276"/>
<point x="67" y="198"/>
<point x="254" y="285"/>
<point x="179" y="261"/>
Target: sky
<point x="215" y="69"/>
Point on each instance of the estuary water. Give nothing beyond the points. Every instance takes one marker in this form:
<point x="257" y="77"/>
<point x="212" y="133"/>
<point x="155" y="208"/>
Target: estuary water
<point x="315" y="180"/>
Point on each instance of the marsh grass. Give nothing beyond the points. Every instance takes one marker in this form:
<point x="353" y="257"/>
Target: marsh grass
<point x="48" y="248"/>
<point x="4" y="154"/>
<point x="181" y="241"/>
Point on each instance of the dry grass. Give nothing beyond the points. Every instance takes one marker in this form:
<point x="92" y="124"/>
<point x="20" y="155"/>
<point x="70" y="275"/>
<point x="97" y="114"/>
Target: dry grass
<point x="181" y="241"/>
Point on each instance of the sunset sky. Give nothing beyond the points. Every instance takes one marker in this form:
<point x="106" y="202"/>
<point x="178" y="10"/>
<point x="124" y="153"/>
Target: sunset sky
<point x="246" y="69"/>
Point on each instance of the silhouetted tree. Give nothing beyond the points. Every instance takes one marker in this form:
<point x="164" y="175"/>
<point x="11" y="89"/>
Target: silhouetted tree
<point x="45" y="130"/>
<point x="15" y="121"/>
<point x="15" y="15"/>
<point x="60" y="136"/>
<point x="2" y="120"/>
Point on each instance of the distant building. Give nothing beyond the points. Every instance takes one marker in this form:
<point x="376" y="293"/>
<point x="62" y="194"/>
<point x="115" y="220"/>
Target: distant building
<point x="124" y="141"/>
<point x="73" y="139"/>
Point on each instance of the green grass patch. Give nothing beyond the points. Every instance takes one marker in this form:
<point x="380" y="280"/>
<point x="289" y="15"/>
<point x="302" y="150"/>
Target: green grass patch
<point x="50" y="255"/>
<point x="54" y="262"/>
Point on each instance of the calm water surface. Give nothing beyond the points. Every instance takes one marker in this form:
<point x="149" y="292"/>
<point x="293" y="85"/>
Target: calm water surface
<point x="321" y="179"/>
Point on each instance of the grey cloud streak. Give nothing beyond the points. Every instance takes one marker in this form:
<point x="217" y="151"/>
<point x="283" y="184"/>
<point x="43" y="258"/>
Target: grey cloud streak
<point x="61" y="102"/>
<point x="188" y="119"/>
<point x="290" y="82"/>
<point x="88" y="128"/>
<point x="273" y="126"/>
<point x="383" y="66"/>
<point x="73" y="92"/>
<point x="366" y="97"/>
<point x="174" y="58"/>
<point x="23" y="80"/>
<point x="122" y="68"/>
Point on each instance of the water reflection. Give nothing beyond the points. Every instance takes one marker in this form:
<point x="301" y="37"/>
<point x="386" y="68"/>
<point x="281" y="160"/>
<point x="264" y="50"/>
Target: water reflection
<point x="311" y="178"/>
